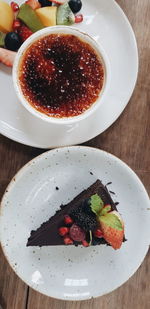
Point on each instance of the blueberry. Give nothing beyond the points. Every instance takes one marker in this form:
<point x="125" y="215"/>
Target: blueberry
<point x="12" y="41"/>
<point x="45" y="3"/>
<point x="75" y="5"/>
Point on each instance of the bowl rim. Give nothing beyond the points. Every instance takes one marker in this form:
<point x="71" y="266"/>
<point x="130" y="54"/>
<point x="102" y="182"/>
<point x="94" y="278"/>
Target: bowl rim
<point x="83" y="36"/>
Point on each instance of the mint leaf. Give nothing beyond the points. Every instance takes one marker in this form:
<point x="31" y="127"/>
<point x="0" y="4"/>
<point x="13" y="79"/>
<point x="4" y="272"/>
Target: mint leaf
<point x="96" y="203"/>
<point x="112" y="221"/>
<point x="105" y="210"/>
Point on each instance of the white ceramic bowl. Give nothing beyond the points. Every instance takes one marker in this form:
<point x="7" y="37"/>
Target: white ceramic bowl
<point x="65" y="30"/>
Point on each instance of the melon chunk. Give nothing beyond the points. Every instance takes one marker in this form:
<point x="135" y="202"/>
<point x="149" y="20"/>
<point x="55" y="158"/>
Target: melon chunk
<point x="6" y="17"/>
<point x="47" y="15"/>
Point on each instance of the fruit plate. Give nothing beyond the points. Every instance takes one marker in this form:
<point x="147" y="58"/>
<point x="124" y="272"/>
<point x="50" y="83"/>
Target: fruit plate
<point x="66" y="272"/>
<point x="106" y="22"/>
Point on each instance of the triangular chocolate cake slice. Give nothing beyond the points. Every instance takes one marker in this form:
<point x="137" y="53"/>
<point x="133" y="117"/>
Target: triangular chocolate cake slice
<point x="91" y="218"/>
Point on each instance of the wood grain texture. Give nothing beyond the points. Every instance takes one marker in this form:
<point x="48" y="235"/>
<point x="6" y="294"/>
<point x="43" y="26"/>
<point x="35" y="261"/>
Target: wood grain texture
<point x="129" y="139"/>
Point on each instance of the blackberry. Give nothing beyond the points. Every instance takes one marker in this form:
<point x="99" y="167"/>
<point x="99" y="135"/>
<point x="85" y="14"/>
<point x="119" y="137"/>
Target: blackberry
<point x="77" y="210"/>
<point x="84" y="220"/>
<point x="86" y="207"/>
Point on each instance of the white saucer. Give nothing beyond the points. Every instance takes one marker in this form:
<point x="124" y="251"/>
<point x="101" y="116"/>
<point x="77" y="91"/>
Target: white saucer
<point x="106" y="22"/>
<point x="72" y="273"/>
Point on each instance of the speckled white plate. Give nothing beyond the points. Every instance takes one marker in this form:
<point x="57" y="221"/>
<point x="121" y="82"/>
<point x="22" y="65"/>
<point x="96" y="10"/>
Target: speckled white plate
<point x="31" y="198"/>
<point x="106" y="22"/>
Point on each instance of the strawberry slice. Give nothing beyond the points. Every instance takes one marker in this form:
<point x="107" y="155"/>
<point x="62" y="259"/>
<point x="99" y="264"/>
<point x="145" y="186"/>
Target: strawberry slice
<point x="24" y="32"/>
<point x="112" y="227"/>
<point x="105" y="210"/>
<point x="7" y="57"/>
<point x="59" y="1"/>
<point x="34" y="4"/>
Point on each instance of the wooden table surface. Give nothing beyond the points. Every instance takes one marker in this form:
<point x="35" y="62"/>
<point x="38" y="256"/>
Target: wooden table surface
<point x="128" y="139"/>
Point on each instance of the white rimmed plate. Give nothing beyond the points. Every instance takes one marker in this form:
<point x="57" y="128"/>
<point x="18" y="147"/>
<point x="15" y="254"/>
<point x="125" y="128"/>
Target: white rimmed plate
<point x="31" y="198"/>
<point x="106" y="22"/>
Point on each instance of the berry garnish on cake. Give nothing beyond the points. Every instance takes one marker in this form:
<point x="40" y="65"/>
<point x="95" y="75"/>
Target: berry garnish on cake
<point x="91" y="218"/>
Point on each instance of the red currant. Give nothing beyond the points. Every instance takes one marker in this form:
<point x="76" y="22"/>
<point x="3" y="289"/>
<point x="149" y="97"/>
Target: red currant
<point x="98" y="233"/>
<point x="85" y="243"/>
<point x="68" y="240"/>
<point x="63" y="231"/>
<point x="68" y="220"/>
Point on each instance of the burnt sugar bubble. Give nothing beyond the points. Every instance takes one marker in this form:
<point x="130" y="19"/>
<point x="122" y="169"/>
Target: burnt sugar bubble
<point x="61" y="75"/>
